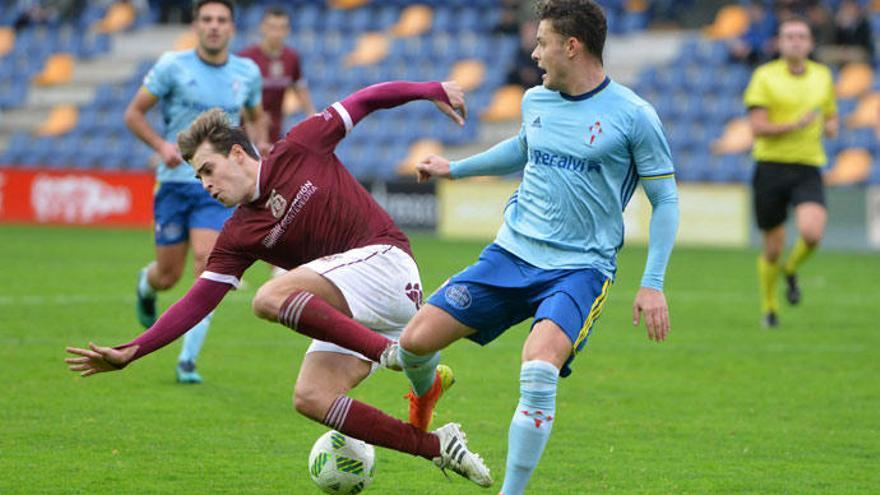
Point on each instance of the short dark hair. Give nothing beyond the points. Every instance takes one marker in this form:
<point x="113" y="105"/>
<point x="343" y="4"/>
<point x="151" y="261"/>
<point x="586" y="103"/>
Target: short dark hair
<point x="215" y="128"/>
<point x="796" y="19"/>
<point x="581" y="19"/>
<point x="276" y="11"/>
<point x="198" y="4"/>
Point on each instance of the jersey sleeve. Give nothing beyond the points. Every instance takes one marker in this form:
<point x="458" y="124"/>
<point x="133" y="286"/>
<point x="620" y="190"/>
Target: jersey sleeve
<point x="227" y="263"/>
<point x="648" y="145"/>
<point x="159" y="80"/>
<point x="757" y="93"/>
<point x="295" y="68"/>
<point x="323" y="131"/>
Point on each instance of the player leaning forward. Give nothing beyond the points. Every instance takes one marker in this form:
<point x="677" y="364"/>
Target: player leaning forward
<point x="585" y="144"/>
<point x="351" y="267"/>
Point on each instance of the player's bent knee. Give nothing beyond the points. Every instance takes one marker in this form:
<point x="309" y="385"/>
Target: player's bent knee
<point x="266" y="303"/>
<point x="413" y="341"/>
<point x="310" y="402"/>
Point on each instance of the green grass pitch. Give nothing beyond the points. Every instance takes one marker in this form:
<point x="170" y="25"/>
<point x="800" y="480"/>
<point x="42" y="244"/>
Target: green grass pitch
<point x="722" y="407"/>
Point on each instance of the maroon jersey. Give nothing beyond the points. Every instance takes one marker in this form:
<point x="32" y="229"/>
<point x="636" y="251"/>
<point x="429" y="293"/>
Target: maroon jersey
<point x="279" y="73"/>
<point x="308" y="206"/>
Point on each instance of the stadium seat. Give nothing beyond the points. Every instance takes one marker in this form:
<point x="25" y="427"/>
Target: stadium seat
<point x="418" y="151"/>
<point x="737" y="138"/>
<point x="371" y="48"/>
<point x="469" y="74"/>
<point x="347" y="4"/>
<point x="119" y="16"/>
<point x="7" y="40"/>
<point x="186" y="41"/>
<point x="730" y="22"/>
<point x="58" y="70"/>
<point x="505" y="105"/>
<point x="415" y="20"/>
<point x="61" y="120"/>
<point x="854" y="80"/>
<point x="866" y="114"/>
<point x="852" y="166"/>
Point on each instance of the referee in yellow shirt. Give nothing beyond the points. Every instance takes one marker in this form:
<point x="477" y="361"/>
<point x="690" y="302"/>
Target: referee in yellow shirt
<point x="791" y="104"/>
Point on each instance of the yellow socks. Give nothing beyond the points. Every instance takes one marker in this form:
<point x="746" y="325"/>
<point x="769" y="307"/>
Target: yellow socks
<point x="768" y="276"/>
<point x="799" y="253"/>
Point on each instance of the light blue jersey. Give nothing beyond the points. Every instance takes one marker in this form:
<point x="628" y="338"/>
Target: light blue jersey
<point x="582" y="158"/>
<point x="187" y="86"/>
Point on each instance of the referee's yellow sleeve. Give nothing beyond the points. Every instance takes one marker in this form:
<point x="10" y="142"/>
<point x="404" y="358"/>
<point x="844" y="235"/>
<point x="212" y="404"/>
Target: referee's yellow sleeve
<point x="756" y="94"/>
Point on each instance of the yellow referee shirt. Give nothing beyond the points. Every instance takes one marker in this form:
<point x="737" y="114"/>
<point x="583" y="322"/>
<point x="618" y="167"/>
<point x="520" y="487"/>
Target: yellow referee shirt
<point x="787" y="98"/>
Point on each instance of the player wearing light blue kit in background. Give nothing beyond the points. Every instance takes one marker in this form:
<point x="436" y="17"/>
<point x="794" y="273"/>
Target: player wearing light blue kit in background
<point x="189" y="83"/>
<point x="586" y="142"/>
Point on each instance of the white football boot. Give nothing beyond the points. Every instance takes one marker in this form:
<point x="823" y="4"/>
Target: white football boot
<point x="454" y="455"/>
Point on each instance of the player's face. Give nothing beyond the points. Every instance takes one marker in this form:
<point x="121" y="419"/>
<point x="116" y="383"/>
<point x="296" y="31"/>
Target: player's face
<point x="222" y="176"/>
<point x="795" y="41"/>
<point x="550" y="54"/>
<point x="214" y="27"/>
<point x="275" y="29"/>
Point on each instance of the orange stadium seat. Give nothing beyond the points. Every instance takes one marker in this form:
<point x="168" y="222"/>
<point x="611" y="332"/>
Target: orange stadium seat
<point x="636" y="6"/>
<point x="418" y="151"/>
<point x="119" y="16"/>
<point x="186" y="41"/>
<point x="370" y="49"/>
<point x="855" y="80"/>
<point x="875" y="6"/>
<point x="506" y="104"/>
<point x="7" y="40"/>
<point x="469" y="73"/>
<point x="58" y="70"/>
<point x="737" y="138"/>
<point x="866" y="114"/>
<point x="852" y="165"/>
<point x="415" y="20"/>
<point x="730" y="22"/>
<point x="61" y="120"/>
<point x="347" y="4"/>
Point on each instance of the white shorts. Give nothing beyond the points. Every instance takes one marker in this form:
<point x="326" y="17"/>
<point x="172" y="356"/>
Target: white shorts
<point x="381" y="285"/>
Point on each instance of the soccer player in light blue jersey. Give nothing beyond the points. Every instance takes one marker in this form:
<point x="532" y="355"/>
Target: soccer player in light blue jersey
<point x="185" y="215"/>
<point x="586" y="142"/>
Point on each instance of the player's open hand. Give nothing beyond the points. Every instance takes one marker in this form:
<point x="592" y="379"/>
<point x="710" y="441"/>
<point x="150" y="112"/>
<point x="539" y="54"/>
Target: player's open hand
<point x="458" y="111"/>
<point x="433" y="166"/>
<point x="97" y="359"/>
<point x="652" y="304"/>
<point x="170" y="154"/>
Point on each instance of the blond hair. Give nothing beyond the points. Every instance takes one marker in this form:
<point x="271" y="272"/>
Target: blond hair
<point x="214" y="127"/>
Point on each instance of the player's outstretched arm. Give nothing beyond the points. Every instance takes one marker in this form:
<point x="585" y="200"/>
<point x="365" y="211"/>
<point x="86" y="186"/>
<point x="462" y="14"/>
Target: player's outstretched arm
<point x="650" y="301"/>
<point x="448" y="96"/>
<point x="200" y="300"/>
<point x="504" y="158"/>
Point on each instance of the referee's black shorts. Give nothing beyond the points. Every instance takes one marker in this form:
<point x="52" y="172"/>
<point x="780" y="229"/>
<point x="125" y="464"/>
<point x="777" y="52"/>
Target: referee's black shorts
<point x="778" y="186"/>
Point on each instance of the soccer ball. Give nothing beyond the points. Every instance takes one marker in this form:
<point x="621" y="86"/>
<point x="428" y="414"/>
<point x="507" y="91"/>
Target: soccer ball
<point x="340" y="464"/>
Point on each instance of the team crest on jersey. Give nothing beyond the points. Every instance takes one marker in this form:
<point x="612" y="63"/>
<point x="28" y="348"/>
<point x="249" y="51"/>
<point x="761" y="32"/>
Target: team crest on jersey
<point x="595" y="132"/>
<point x="276" y="204"/>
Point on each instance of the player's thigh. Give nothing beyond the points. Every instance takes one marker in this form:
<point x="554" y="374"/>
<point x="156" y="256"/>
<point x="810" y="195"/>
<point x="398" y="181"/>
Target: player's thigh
<point x="170" y="260"/>
<point x="431" y="330"/>
<point x="380" y="284"/>
<point x="325" y="375"/>
<point x="202" y="242"/>
<point x="547" y="342"/>
<point x="271" y="295"/>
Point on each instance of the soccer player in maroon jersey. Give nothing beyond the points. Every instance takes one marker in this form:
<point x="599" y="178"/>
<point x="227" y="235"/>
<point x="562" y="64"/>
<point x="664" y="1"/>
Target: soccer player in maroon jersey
<point x="351" y="268"/>
<point x="280" y="67"/>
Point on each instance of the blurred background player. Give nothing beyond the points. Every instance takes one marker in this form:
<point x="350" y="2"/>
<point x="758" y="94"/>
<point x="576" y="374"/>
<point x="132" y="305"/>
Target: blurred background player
<point x="185" y="216"/>
<point x="280" y="66"/>
<point x="281" y="69"/>
<point x="791" y="105"/>
<point x="360" y="274"/>
<point x="584" y="145"/>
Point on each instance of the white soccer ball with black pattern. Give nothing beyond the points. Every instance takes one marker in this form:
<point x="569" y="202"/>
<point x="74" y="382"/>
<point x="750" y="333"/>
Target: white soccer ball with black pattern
<point x="341" y="465"/>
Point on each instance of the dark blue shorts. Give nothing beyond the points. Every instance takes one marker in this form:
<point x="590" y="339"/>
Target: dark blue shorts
<point x="181" y="206"/>
<point x="501" y="290"/>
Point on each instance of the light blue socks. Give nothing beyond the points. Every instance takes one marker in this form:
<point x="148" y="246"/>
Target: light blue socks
<point x="144" y="287"/>
<point x="420" y="370"/>
<point x="531" y="424"/>
<point x="193" y="340"/>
